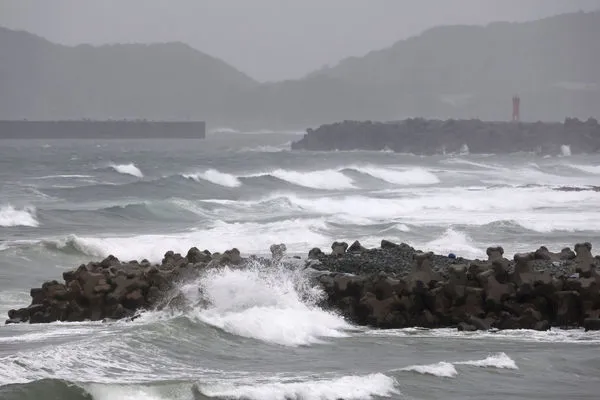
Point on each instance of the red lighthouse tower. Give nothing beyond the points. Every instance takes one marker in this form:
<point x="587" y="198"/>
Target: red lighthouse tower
<point x="516" y="114"/>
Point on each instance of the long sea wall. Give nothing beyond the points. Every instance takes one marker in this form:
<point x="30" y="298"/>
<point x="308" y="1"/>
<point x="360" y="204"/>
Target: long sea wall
<point x="89" y="129"/>
<point x="421" y="136"/>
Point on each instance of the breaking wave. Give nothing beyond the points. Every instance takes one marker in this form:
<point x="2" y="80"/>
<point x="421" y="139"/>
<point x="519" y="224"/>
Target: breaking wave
<point x="348" y="388"/>
<point x="442" y="369"/>
<point x="323" y="179"/>
<point x="457" y="242"/>
<point x="128" y="169"/>
<point x="11" y="216"/>
<point x="413" y="176"/>
<point x="216" y="177"/>
<point x="298" y="234"/>
<point x="274" y="305"/>
<point x="498" y="360"/>
<point x="445" y="369"/>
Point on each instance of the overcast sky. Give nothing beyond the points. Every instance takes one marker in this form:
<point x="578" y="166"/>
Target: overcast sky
<point x="267" y="39"/>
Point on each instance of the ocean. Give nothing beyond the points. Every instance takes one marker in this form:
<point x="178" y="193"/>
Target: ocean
<point x="66" y="202"/>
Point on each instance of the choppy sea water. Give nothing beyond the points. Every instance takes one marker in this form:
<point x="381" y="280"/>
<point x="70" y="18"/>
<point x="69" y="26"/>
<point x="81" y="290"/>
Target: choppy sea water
<point x="65" y="202"/>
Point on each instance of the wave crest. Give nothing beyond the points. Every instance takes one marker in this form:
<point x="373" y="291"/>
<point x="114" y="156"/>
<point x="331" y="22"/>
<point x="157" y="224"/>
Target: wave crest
<point x="216" y="177"/>
<point x="128" y="169"/>
<point x="442" y="369"/>
<point x="347" y="388"/>
<point x="498" y="360"/>
<point x="412" y="176"/>
<point x="321" y="179"/>
<point x="11" y="216"/>
<point x="271" y="304"/>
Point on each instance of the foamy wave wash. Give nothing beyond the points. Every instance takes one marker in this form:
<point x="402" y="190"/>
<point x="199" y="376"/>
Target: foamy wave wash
<point x="272" y="304"/>
<point x="11" y="216"/>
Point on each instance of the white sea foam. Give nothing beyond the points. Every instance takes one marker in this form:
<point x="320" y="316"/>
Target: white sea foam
<point x="321" y="179"/>
<point x="11" y="216"/>
<point x="498" y="360"/>
<point x="457" y="242"/>
<point x="565" y="150"/>
<point x="446" y="369"/>
<point x="216" y="177"/>
<point x="533" y="208"/>
<point x="517" y="335"/>
<point x="128" y="169"/>
<point x="442" y="369"/>
<point x="136" y="392"/>
<point x="347" y="388"/>
<point x="250" y="237"/>
<point x="412" y="176"/>
<point x="266" y="149"/>
<point x="269" y="304"/>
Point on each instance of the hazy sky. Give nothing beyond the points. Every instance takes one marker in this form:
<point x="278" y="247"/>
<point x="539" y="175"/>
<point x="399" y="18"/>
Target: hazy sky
<point x="267" y="39"/>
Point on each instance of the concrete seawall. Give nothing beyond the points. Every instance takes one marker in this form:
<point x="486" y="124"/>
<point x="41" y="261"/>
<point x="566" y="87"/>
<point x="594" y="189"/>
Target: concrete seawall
<point x="421" y="136"/>
<point x="102" y="129"/>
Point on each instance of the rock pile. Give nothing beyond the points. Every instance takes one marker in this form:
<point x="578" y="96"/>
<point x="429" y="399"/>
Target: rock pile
<point x="535" y="290"/>
<point x="394" y="286"/>
<point x="112" y="289"/>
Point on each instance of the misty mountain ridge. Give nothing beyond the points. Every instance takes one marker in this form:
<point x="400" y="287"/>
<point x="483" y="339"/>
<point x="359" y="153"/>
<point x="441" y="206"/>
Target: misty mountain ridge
<point x="446" y="72"/>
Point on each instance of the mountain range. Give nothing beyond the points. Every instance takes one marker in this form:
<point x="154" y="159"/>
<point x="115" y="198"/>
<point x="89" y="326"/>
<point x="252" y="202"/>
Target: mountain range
<point x="445" y="72"/>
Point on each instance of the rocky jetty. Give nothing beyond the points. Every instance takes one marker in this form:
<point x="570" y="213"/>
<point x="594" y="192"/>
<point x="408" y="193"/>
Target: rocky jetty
<point x="393" y="286"/>
<point x="396" y="286"/>
<point x="112" y="289"/>
<point x="421" y="136"/>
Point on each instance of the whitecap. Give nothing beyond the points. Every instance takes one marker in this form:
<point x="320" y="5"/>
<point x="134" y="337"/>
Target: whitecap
<point x="274" y="305"/>
<point x="348" y="388"/>
<point x="11" y="216"/>
<point x="216" y="177"/>
<point x="442" y="369"/>
<point x="250" y="237"/>
<point x="498" y="360"/>
<point x="411" y="176"/>
<point x="320" y="179"/>
<point x="452" y="241"/>
<point x="128" y="169"/>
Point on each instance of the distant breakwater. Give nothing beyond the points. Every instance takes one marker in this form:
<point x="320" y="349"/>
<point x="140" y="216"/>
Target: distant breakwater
<point x="90" y="129"/>
<point x="427" y="137"/>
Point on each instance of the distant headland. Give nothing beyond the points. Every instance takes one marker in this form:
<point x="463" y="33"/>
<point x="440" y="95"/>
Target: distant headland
<point x="422" y="136"/>
<point x="109" y="129"/>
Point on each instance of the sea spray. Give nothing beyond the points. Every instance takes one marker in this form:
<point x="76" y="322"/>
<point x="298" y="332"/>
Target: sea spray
<point x="272" y="304"/>
<point x="11" y="216"/>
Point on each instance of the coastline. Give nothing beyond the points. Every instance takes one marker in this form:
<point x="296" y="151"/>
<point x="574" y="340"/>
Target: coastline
<point x="393" y="286"/>
<point x="426" y="137"/>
